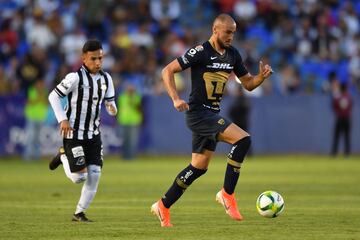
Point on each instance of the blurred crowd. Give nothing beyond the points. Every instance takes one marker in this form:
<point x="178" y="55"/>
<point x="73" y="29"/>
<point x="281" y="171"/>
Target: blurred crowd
<point x="305" y="41"/>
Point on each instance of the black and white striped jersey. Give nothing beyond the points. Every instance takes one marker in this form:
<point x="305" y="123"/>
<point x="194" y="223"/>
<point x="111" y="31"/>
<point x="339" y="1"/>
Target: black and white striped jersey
<point x="85" y="92"/>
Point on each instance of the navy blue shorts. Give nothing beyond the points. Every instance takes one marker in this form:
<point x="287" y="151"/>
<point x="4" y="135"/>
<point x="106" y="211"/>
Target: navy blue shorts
<point x="205" y="126"/>
<point x="81" y="153"/>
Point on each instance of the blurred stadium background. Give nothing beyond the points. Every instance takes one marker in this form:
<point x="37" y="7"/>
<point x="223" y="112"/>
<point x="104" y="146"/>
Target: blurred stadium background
<point x="305" y="41"/>
<point x="290" y="118"/>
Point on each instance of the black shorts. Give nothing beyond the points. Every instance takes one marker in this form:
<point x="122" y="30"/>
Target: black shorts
<point x="205" y="126"/>
<point x="82" y="153"/>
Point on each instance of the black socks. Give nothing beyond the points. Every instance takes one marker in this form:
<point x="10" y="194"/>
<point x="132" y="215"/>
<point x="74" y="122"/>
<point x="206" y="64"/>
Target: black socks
<point x="187" y="176"/>
<point x="235" y="159"/>
<point x="182" y="181"/>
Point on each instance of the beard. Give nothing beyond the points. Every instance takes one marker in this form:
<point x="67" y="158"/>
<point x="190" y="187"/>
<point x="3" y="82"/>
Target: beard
<point x="222" y="44"/>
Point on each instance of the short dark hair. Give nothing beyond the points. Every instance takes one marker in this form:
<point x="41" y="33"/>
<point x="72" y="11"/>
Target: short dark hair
<point x="91" y="45"/>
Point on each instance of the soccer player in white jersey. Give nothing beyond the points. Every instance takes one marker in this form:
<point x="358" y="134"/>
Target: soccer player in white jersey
<point x="81" y="155"/>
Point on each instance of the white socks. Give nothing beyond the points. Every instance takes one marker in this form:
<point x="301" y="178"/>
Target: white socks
<point x="74" y="177"/>
<point x="89" y="188"/>
<point x="91" y="178"/>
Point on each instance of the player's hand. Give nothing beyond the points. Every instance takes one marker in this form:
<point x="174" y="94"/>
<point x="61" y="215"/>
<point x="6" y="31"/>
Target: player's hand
<point x="265" y="70"/>
<point x="65" y="130"/>
<point x="111" y="109"/>
<point x="181" y="105"/>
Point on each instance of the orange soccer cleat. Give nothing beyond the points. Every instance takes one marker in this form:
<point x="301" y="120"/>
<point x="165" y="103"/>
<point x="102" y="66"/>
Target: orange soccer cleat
<point x="162" y="213"/>
<point x="229" y="203"/>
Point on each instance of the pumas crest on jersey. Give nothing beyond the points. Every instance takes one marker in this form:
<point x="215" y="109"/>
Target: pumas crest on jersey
<point x="221" y="121"/>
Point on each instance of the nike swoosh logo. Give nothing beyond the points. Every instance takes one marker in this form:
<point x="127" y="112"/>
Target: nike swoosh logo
<point x="212" y="58"/>
<point x="225" y="206"/>
<point x="161" y="218"/>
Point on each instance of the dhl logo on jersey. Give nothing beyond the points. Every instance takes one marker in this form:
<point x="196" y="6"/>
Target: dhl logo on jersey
<point x="220" y="66"/>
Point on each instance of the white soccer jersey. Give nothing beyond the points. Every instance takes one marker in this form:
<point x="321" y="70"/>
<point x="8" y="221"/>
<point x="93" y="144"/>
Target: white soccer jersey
<point x="85" y="93"/>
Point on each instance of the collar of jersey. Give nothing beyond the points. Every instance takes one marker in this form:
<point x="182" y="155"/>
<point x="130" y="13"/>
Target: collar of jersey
<point x="216" y="52"/>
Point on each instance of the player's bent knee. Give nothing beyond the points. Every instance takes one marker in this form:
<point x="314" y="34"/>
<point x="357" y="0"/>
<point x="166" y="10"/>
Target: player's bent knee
<point x="79" y="177"/>
<point x="239" y="149"/>
<point x="94" y="170"/>
<point x="94" y="173"/>
<point x="246" y="141"/>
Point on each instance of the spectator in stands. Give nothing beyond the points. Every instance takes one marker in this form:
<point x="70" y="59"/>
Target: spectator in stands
<point x="8" y="40"/>
<point x="290" y="80"/>
<point x="70" y="44"/>
<point x="142" y="37"/>
<point x="35" y="113"/>
<point x="31" y="68"/>
<point x="5" y="84"/>
<point x="38" y="32"/>
<point x="130" y="117"/>
<point x="165" y="10"/>
<point x="245" y="10"/>
<point x="342" y="106"/>
<point x="94" y="18"/>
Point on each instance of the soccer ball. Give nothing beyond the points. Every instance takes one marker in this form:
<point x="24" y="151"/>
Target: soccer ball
<point x="270" y="204"/>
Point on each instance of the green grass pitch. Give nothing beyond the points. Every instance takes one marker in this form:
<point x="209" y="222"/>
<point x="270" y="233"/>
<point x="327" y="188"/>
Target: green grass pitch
<point x="322" y="200"/>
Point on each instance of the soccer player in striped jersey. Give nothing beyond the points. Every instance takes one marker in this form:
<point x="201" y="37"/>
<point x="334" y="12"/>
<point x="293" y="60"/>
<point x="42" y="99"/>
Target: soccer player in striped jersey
<point x="82" y="154"/>
<point x="211" y="65"/>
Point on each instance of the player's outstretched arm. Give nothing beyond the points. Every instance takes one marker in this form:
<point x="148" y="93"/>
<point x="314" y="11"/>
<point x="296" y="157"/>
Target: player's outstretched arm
<point x="251" y="82"/>
<point x="169" y="82"/>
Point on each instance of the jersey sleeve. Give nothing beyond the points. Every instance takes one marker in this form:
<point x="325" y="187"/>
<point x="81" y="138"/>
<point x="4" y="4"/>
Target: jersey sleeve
<point x="70" y="81"/>
<point x="191" y="57"/>
<point x="110" y="92"/>
<point x="239" y="68"/>
<point x="55" y="103"/>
